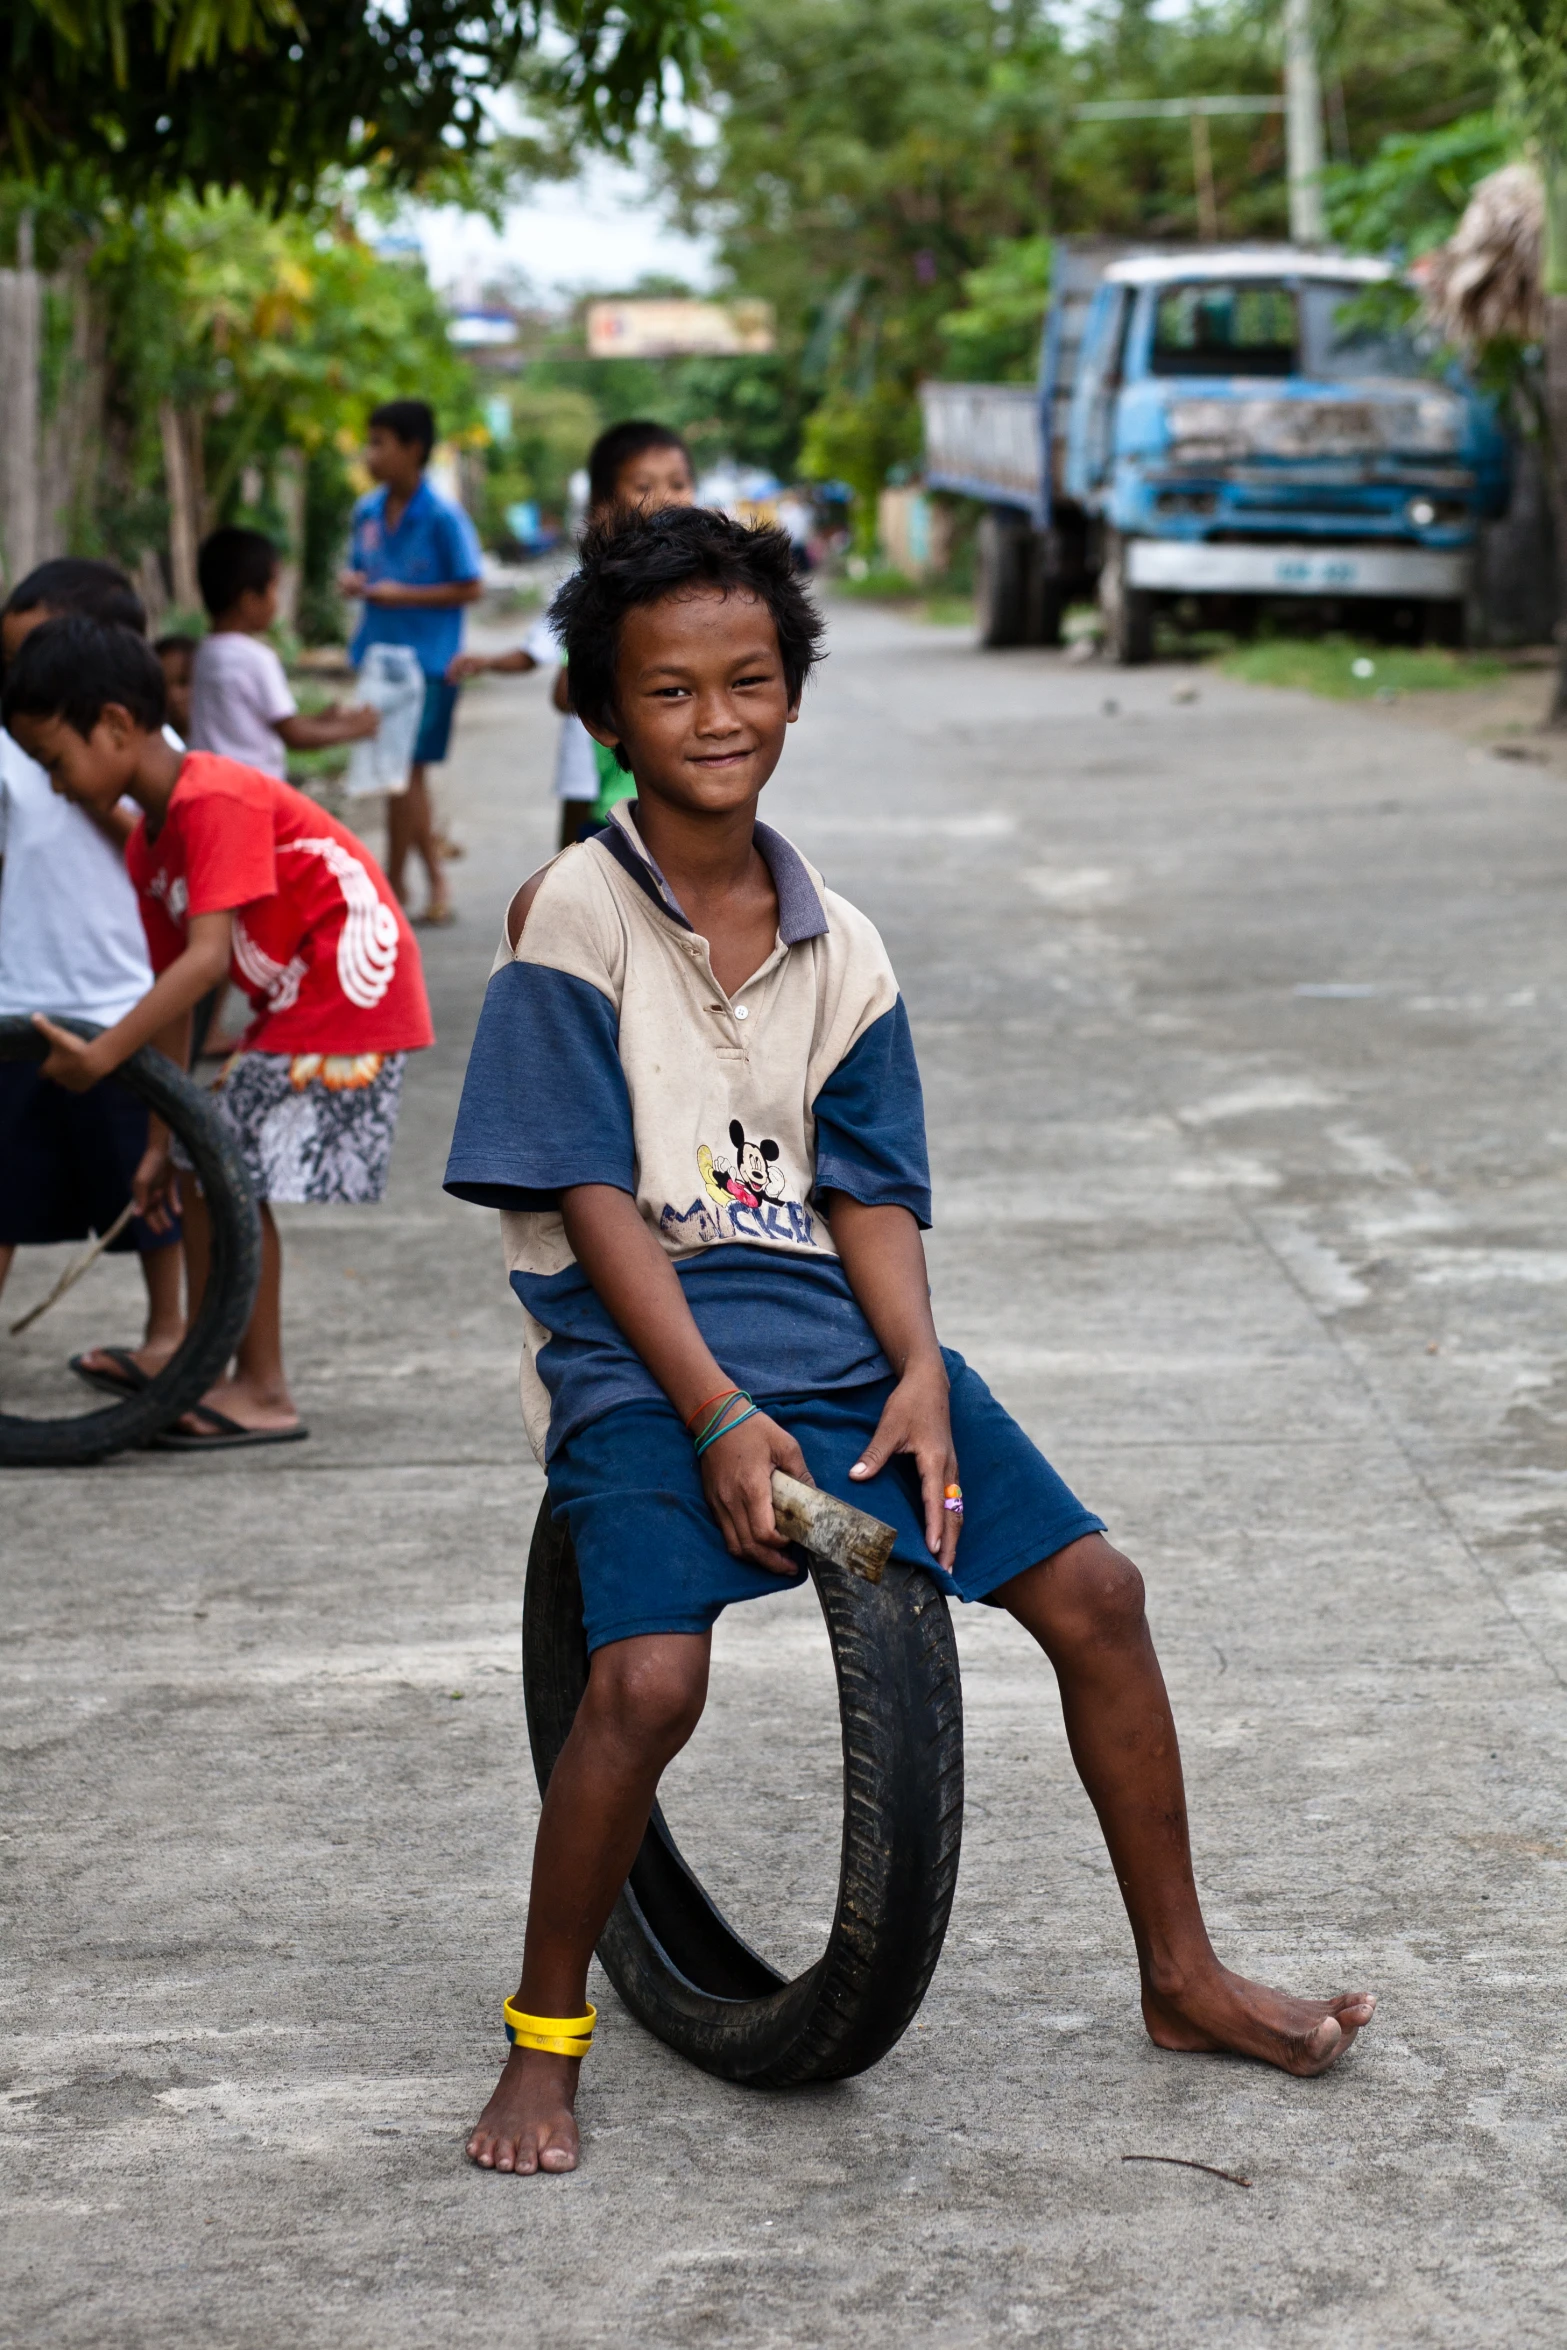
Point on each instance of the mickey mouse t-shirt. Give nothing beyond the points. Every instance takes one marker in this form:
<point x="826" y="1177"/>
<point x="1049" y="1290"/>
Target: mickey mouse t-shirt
<point x="321" y="947"/>
<point x="607" y="1053"/>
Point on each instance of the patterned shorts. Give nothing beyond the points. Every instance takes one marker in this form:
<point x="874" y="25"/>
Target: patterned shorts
<point x="312" y="1126"/>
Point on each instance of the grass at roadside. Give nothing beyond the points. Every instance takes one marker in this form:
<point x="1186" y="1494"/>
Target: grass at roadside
<point x="937" y="607"/>
<point x="1347" y="670"/>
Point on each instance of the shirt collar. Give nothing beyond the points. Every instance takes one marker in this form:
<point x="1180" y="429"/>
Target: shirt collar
<point x="421" y="495"/>
<point x="801" y="914"/>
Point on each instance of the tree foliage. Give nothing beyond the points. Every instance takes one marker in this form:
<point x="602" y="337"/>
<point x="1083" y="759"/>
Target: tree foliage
<point x="268" y="95"/>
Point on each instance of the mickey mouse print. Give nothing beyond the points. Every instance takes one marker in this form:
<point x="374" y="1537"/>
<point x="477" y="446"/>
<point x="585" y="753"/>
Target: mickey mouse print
<point x="749" y="1195"/>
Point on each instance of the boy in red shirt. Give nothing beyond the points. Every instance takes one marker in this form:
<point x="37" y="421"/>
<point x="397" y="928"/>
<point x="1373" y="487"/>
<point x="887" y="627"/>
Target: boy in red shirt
<point x="239" y="877"/>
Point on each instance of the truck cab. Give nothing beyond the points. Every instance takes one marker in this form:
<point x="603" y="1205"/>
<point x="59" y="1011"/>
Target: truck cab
<point x="1219" y="429"/>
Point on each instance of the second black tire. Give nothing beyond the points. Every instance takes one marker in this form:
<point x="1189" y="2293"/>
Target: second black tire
<point x="676" y="1962"/>
<point x="233" y="1272"/>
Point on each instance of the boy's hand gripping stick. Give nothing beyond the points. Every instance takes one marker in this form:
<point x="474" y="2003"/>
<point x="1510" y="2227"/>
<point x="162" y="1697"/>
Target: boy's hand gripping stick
<point x="821" y="1523"/>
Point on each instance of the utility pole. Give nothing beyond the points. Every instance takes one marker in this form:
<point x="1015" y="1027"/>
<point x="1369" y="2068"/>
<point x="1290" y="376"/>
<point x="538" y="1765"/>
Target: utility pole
<point x="1303" y="124"/>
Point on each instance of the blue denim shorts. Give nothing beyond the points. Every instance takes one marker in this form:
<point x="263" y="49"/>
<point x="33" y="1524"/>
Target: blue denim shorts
<point x="433" y="740"/>
<point x="651" y="1557"/>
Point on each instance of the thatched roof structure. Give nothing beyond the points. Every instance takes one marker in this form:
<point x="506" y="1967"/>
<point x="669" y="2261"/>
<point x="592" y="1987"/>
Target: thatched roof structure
<point x="1486" y="281"/>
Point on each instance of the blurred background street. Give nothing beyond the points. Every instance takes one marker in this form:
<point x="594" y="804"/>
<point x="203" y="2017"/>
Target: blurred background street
<point x="1240" y="1018"/>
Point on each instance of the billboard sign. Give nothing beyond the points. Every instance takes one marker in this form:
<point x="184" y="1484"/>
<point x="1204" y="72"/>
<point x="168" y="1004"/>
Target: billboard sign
<point x="660" y="329"/>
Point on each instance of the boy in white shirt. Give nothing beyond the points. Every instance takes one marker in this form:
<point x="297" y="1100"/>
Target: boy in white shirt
<point x="638" y="465"/>
<point x="71" y="941"/>
<point x="240" y="703"/>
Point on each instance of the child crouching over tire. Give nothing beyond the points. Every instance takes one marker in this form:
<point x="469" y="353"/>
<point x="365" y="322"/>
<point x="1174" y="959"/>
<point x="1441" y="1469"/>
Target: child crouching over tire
<point x="239" y="878"/>
<point x="693" y="1095"/>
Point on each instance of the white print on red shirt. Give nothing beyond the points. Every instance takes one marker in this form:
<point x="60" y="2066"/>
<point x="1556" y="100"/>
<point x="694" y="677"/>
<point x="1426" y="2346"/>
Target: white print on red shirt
<point x="366" y="944"/>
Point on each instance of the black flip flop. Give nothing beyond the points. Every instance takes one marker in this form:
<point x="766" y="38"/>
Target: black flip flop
<point x="227" y="1435"/>
<point x="128" y="1379"/>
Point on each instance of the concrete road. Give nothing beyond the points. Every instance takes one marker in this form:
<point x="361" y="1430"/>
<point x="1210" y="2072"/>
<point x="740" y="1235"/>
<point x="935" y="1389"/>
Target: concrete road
<point x="1241" y="1024"/>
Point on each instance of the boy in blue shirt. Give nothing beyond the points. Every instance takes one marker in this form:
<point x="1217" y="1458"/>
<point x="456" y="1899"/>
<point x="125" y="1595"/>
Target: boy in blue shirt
<point x="415" y="562"/>
<point x="693" y="1097"/>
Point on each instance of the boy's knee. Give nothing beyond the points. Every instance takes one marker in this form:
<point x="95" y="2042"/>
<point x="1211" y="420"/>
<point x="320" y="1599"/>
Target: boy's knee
<point x="1096" y="1592"/>
<point x="649" y="1693"/>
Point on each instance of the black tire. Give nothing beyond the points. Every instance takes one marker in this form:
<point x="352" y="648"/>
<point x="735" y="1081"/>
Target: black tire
<point x="1447" y="622"/>
<point x="231" y="1285"/>
<point x="1128" y="611"/>
<point x="679" y="1966"/>
<point x="1001" y="583"/>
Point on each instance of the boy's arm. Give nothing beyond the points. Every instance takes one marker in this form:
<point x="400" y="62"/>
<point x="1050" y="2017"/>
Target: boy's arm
<point x="639" y="1285"/>
<point x="883" y="1258"/>
<point x="402" y="591"/>
<point x="326" y="726"/>
<point x="78" y="1065"/>
<point x="516" y="663"/>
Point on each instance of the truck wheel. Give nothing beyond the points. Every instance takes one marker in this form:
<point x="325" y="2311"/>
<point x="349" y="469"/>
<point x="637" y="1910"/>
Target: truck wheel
<point x="1001" y="577"/>
<point x="1446" y="623"/>
<point x="231" y="1282"/>
<point x="1128" y="611"/>
<point x="1049" y="610"/>
<point x="679" y="1966"/>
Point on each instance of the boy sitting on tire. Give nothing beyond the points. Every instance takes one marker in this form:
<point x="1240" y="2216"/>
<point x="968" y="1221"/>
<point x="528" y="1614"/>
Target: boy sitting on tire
<point x="693" y="1095"/>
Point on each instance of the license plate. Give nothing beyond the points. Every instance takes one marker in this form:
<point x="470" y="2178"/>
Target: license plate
<point x="1295" y="572"/>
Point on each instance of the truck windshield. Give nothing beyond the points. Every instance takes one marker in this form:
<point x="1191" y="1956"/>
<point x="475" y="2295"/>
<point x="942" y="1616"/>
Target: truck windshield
<point x="1355" y="331"/>
<point x="1212" y="328"/>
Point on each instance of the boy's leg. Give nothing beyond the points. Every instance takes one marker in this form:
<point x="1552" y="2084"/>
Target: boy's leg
<point x="162" y="1269"/>
<point x="409" y="826"/>
<point x="643" y="1700"/>
<point x="1085" y="1608"/>
<point x="256" y="1394"/>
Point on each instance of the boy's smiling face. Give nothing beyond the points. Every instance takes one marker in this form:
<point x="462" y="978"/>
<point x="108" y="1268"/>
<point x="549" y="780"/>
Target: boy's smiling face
<point x="700" y="699"/>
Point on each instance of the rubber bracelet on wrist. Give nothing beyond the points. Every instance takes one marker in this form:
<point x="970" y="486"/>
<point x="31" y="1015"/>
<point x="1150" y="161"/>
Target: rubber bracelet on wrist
<point x="720" y="1395"/>
<point x="751" y="1412"/>
<point x="725" y="1403"/>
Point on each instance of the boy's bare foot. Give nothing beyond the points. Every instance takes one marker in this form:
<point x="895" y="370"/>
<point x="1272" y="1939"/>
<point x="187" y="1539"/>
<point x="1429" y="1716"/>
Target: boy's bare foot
<point x="1220" y="2012"/>
<point x="529" y="2124"/>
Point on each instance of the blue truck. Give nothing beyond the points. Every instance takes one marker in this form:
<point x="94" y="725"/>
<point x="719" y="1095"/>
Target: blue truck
<point x="1213" y="431"/>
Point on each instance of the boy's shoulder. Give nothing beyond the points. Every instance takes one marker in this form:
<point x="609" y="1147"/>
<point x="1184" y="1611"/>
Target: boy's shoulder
<point x="370" y="503"/>
<point x="573" y="921"/>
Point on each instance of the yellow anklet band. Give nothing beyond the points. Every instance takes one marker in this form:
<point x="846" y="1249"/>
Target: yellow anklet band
<point x="555" y="2035"/>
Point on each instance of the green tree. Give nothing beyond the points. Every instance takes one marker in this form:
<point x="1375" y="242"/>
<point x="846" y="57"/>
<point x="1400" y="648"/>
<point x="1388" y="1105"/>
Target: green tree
<point x="269" y="95"/>
<point x="1527" y="42"/>
<point x="242" y="345"/>
<point x="994" y="338"/>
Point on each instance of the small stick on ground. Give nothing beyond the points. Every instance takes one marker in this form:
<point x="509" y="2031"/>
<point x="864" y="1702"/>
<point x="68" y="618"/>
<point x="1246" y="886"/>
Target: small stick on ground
<point x="74" y="1272"/>
<point x="1184" y="2162"/>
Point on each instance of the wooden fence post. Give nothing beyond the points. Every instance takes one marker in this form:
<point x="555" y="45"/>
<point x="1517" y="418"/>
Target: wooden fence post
<point x="21" y="335"/>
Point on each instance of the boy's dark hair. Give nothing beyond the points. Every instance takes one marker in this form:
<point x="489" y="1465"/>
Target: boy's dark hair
<point x="408" y="421"/>
<point x="633" y="559"/>
<point x="70" y="667"/>
<point x="80" y="583"/>
<point x="231" y="561"/>
<point x="616" y="448"/>
<point x="174" y="643"/>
